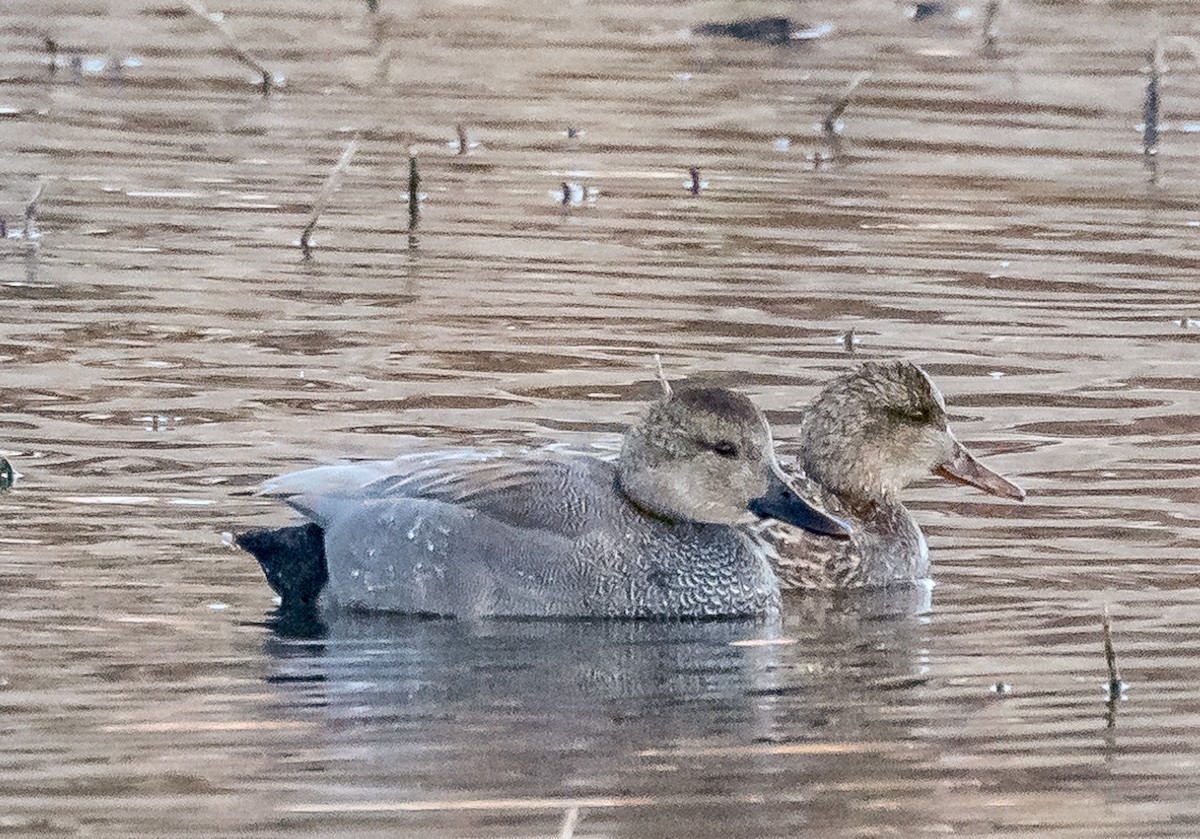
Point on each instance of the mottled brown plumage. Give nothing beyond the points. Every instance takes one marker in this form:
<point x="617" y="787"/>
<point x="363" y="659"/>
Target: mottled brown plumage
<point x="867" y="436"/>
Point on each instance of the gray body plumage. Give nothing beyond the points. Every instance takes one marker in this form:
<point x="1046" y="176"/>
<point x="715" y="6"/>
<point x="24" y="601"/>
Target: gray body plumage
<point x="461" y="533"/>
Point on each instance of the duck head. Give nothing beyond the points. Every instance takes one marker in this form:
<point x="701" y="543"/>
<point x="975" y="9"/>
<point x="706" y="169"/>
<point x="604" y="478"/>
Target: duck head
<point x="872" y="432"/>
<point x="704" y="454"/>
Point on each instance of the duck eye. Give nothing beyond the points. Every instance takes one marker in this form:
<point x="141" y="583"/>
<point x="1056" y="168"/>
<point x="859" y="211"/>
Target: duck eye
<point x="725" y="448"/>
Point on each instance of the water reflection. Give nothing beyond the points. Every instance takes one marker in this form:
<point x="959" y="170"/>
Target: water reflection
<point x="642" y="715"/>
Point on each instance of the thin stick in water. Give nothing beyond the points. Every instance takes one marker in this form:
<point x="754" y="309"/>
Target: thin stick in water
<point x="462" y="138"/>
<point x="1150" y="105"/>
<point x="1115" y="684"/>
<point x="990" y="11"/>
<point x="414" y="193"/>
<point x="829" y="123"/>
<point x="31" y="208"/>
<point x="52" y="51"/>
<point x="238" y="50"/>
<point x="662" y="376"/>
<point x="330" y="187"/>
<point x="570" y="820"/>
<point x="694" y="173"/>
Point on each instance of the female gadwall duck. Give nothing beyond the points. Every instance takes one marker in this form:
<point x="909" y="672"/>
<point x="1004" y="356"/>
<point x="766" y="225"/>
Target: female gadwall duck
<point x="465" y="534"/>
<point x="867" y="436"/>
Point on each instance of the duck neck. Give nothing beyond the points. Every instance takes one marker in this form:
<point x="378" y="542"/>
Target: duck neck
<point x="631" y="499"/>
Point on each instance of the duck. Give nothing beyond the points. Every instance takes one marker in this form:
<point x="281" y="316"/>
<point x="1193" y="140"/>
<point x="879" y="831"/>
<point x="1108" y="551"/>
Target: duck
<point x="867" y="436"/>
<point x="659" y="534"/>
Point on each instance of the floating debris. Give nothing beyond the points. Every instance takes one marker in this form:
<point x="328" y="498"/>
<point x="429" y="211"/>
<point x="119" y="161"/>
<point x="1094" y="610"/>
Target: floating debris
<point x="327" y="190"/>
<point x="570" y="194"/>
<point x="849" y="340"/>
<point x="218" y="23"/>
<point x="694" y="184"/>
<point x="924" y="11"/>
<point x="1001" y="688"/>
<point x="573" y="133"/>
<point x="1188" y="323"/>
<point x="7" y="476"/>
<point x="462" y="144"/>
<point x="765" y="30"/>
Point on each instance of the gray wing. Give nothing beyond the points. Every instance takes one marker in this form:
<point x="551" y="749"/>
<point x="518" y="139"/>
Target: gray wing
<point x="543" y="491"/>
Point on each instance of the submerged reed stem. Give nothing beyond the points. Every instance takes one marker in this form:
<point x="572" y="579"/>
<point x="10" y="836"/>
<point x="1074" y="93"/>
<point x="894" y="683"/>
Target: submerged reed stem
<point x="414" y="193"/>
<point x="327" y="190"/>
<point x="31" y="208"/>
<point x="1150" y="105"/>
<point x="1110" y="657"/>
<point x="829" y="123"/>
<point x="238" y="50"/>
<point x="570" y="820"/>
<point x="989" y="32"/>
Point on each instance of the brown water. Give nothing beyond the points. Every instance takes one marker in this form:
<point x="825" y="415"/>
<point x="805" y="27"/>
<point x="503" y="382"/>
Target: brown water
<point x="165" y="347"/>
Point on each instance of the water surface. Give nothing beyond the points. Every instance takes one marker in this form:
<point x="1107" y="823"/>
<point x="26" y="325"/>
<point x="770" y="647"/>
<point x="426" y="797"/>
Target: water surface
<point x="165" y="348"/>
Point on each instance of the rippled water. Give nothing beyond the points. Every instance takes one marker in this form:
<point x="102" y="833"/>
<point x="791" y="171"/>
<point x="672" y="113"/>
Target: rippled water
<point x="165" y="347"/>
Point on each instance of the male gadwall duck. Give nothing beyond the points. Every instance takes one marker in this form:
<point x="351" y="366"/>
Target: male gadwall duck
<point x="867" y="436"/>
<point x="465" y="534"/>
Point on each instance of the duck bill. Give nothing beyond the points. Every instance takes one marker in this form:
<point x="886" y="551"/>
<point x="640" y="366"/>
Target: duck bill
<point x="963" y="468"/>
<point x="781" y="502"/>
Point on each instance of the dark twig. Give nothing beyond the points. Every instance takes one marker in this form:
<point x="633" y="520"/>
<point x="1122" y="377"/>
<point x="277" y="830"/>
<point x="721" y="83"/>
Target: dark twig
<point x="52" y="51"/>
<point x="1150" y="105"/>
<point x="327" y="190"/>
<point x="694" y="187"/>
<point x="1115" y="685"/>
<point x="230" y="41"/>
<point x="414" y="193"/>
<point x="463" y="142"/>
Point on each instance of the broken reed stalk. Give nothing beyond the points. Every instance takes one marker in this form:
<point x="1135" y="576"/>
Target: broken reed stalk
<point x="989" y="27"/>
<point x="1110" y="657"/>
<point x="238" y="50"/>
<point x="570" y="820"/>
<point x="52" y="51"/>
<point x="829" y="123"/>
<point x="1150" y="105"/>
<point x="327" y="191"/>
<point x="662" y="376"/>
<point x="414" y="193"/>
<point x="462" y="138"/>
<point x="694" y="174"/>
<point x="31" y="208"/>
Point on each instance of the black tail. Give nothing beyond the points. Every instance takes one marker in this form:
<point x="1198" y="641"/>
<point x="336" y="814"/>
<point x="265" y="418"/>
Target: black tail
<point x="293" y="558"/>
